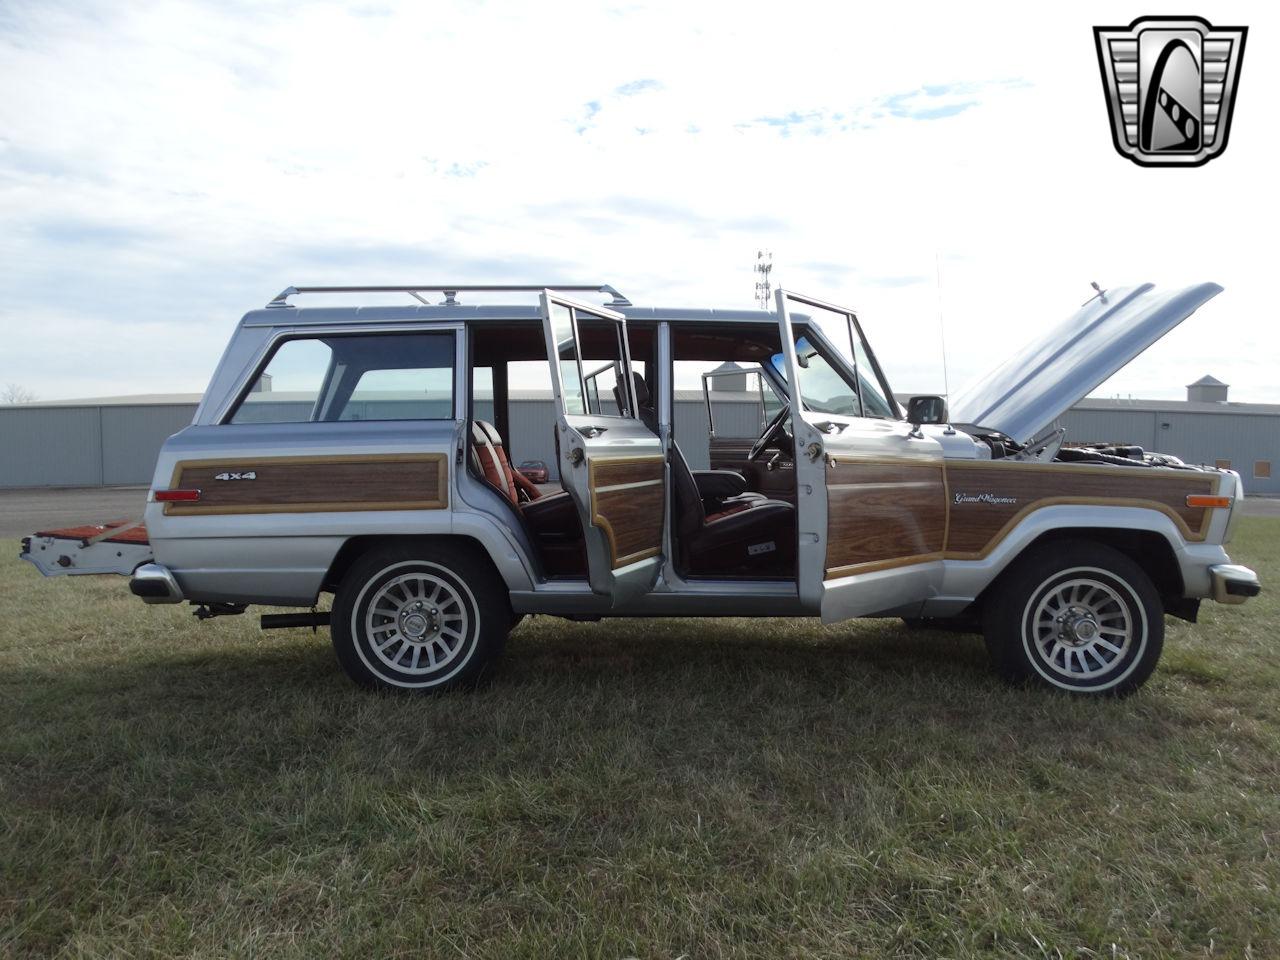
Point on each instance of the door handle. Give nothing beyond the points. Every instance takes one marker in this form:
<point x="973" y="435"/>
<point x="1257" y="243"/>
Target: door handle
<point x="592" y="432"/>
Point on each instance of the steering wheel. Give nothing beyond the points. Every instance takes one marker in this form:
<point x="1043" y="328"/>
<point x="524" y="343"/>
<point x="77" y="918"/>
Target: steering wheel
<point x="775" y="432"/>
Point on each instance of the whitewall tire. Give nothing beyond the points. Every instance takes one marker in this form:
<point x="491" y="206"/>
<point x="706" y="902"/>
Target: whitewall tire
<point x="1076" y="616"/>
<point x="415" y="616"/>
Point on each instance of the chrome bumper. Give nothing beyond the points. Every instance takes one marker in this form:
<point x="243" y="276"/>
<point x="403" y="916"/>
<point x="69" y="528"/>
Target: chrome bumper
<point x="1233" y="583"/>
<point x="155" y="584"/>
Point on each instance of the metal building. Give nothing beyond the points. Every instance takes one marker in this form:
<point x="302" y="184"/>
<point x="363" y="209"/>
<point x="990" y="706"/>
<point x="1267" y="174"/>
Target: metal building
<point x="114" y="441"/>
<point x="1244" y="437"/>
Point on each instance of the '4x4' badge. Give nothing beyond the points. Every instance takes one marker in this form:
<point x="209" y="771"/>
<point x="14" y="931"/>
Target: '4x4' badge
<point x="1170" y="84"/>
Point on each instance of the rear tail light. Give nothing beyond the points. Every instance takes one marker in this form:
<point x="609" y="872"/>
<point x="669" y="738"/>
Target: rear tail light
<point x="177" y="496"/>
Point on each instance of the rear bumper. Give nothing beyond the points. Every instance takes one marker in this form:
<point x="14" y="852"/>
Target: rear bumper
<point x="154" y="583"/>
<point x="1233" y="583"/>
<point x="57" y="555"/>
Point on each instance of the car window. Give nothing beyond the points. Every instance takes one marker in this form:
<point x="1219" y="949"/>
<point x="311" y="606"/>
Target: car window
<point x="397" y="376"/>
<point x="874" y="401"/>
<point x="738" y="399"/>
<point x="602" y="389"/>
<point x="824" y="388"/>
<point x="420" y="393"/>
<point x="602" y="360"/>
<point x="567" y="355"/>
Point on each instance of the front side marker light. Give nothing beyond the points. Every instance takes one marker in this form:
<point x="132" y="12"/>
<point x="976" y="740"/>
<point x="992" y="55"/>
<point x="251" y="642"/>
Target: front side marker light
<point x="1202" y="500"/>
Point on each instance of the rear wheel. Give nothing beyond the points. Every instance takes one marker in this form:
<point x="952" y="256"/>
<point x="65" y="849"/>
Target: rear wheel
<point x="1076" y="616"/>
<point x="419" y="617"/>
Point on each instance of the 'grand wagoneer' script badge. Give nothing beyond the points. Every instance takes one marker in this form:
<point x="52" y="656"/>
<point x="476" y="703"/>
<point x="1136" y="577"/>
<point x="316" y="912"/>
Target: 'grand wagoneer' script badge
<point x="982" y="498"/>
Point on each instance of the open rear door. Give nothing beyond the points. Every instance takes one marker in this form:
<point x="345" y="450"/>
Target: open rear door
<point x="611" y="464"/>
<point x="871" y="505"/>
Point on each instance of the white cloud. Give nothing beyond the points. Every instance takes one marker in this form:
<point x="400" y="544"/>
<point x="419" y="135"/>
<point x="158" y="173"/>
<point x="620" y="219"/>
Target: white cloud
<point x="164" y="168"/>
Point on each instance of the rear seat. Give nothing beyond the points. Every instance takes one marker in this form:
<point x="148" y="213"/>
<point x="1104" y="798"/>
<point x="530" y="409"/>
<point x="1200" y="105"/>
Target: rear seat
<point x="496" y="466"/>
<point x="552" y="519"/>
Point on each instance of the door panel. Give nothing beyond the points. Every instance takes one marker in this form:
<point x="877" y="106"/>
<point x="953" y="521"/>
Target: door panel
<point x="626" y="502"/>
<point x="776" y="484"/>
<point x="871" y="504"/>
<point x="610" y="463"/>
<point x="883" y="515"/>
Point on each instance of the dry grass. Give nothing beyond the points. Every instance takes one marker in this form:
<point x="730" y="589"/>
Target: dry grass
<point x="631" y="788"/>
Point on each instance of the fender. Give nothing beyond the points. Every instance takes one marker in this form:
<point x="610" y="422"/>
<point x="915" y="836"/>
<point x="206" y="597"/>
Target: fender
<point x="964" y="580"/>
<point x="508" y="557"/>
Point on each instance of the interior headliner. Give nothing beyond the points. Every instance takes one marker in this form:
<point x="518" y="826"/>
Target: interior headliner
<point x="523" y="340"/>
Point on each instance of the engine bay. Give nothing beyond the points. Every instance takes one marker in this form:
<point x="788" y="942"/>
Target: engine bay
<point x="1004" y="447"/>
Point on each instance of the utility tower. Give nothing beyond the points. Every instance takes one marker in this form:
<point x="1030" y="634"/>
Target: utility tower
<point x="764" y="289"/>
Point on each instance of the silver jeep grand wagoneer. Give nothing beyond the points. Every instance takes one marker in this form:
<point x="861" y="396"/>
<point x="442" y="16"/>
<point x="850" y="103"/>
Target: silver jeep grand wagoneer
<point x="367" y="452"/>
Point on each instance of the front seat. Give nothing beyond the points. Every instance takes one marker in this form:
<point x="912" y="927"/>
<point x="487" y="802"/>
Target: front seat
<point x="717" y="535"/>
<point x="746" y="536"/>
<point x="720" y="490"/>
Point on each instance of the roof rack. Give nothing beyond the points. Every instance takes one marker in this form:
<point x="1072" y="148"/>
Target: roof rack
<point x="451" y="291"/>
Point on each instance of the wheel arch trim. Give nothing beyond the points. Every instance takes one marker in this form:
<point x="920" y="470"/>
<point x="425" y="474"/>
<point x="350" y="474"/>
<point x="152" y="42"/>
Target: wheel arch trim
<point x="963" y="581"/>
<point x="488" y="537"/>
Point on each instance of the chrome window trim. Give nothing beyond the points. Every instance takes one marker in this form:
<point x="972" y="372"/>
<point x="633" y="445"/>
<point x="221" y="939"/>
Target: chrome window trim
<point x="836" y="358"/>
<point x="574" y="307"/>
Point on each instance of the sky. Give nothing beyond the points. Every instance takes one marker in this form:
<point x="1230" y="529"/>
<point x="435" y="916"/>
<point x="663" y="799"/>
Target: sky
<point x="165" y="167"/>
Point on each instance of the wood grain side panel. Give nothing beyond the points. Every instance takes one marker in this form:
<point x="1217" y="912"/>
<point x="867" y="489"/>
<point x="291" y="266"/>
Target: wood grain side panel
<point x="315" y="484"/>
<point x="614" y="471"/>
<point x="989" y="499"/>
<point x="628" y="496"/>
<point x="884" y="514"/>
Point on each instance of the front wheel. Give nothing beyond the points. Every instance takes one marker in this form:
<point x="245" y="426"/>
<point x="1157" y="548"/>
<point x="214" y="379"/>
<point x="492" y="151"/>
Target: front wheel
<point x="1076" y="616"/>
<point x="419" y="617"/>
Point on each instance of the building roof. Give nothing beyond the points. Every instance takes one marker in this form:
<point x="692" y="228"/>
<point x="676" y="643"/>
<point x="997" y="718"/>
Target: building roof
<point x="128" y="400"/>
<point x="1178" y="406"/>
<point x="1208" y="381"/>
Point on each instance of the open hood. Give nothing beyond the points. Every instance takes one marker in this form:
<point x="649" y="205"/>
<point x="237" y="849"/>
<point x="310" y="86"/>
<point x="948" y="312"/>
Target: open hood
<point x="1036" y="386"/>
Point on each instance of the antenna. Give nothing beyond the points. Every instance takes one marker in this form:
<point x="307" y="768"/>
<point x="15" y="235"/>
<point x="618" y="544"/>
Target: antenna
<point x="763" y="267"/>
<point x="942" y="333"/>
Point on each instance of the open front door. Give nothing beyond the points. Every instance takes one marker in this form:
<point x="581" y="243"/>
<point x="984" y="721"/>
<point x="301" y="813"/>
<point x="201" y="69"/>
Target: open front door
<point x="871" y="504"/>
<point x="611" y="464"/>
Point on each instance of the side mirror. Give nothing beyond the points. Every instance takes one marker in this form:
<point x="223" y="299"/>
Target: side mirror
<point x="804" y="350"/>
<point x="926" y="409"/>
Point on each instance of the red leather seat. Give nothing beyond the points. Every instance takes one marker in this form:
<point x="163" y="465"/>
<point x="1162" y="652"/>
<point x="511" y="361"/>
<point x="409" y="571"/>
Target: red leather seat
<point x="552" y="519"/>
<point x="496" y="465"/>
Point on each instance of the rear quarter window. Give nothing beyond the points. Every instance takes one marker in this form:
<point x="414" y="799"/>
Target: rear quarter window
<point x="387" y="376"/>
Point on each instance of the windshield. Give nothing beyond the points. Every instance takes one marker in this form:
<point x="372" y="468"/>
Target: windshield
<point x="825" y="390"/>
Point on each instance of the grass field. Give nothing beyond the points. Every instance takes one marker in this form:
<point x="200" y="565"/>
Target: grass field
<point x="630" y="788"/>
